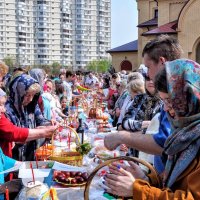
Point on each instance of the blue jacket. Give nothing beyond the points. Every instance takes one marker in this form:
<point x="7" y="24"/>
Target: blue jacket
<point x="160" y="138"/>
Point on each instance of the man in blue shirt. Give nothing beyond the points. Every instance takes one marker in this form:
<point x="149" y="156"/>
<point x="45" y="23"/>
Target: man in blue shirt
<point x="155" y="54"/>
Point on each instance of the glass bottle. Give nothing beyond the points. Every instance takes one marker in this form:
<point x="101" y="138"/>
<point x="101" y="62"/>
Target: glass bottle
<point x="80" y="130"/>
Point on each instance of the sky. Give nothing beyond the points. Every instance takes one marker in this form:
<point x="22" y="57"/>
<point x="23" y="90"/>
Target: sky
<point x="124" y="19"/>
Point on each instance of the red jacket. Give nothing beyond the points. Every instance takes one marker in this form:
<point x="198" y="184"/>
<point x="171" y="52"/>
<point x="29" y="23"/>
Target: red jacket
<point x="10" y="133"/>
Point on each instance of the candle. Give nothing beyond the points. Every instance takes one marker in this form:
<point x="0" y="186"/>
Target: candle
<point x="42" y="152"/>
<point x="69" y="139"/>
<point x="32" y="172"/>
<point x="51" y="194"/>
<point x="59" y="137"/>
<point x="36" y="159"/>
<point x="7" y="193"/>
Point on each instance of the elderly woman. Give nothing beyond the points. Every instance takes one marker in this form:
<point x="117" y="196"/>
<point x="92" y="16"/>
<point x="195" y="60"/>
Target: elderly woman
<point x="121" y="88"/>
<point x="178" y="86"/>
<point x="138" y="86"/>
<point x="144" y="107"/>
<point x="10" y="133"/>
<point x="23" y="111"/>
<point x="3" y="74"/>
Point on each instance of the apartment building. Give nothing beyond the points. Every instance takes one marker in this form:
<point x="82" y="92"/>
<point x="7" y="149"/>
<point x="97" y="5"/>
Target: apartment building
<point x="40" y="32"/>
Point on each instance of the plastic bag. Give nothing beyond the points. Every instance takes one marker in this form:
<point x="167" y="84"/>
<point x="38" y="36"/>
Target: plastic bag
<point x="36" y="192"/>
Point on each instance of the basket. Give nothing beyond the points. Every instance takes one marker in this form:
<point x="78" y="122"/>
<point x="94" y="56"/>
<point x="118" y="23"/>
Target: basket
<point x="70" y="158"/>
<point x="154" y="174"/>
<point x="43" y="153"/>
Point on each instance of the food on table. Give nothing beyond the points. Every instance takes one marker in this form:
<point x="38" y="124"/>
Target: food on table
<point x="83" y="88"/>
<point x="70" y="178"/>
<point x="36" y="192"/>
<point x="73" y="181"/>
<point x="84" y="148"/>
<point x="85" y="176"/>
<point x="80" y="180"/>
<point x="78" y="173"/>
<point x="47" y="166"/>
<point x="67" y="174"/>
<point x="72" y="174"/>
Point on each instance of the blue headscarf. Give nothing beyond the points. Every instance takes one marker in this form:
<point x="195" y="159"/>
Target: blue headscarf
<point x="39" y="75"/>
<point x="182" y="146"/>
<point x="28" y="116"/>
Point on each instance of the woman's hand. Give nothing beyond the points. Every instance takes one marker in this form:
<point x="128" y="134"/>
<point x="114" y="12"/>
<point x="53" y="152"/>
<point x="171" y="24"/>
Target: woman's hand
<point x="117" y="112"/>
<point x="123" y="148"/>
<point x="120" y="184"/>
<point x="145" y="124"/>
<point x="120" y="128"/>
<point x="134" y="169"/>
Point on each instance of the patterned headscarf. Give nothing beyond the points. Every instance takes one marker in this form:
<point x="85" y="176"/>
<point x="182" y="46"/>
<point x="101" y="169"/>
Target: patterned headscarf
<point x="182" y="147"/>
<point x="39" y="75"/>
<point x="18" y="87"/>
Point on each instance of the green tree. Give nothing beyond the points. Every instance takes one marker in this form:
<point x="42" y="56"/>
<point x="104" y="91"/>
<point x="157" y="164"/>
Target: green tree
<point x="99" y="65"/>
<point x="56" y="68"/>
<point x="10" y="61"/>
<point x="47" y="69"/>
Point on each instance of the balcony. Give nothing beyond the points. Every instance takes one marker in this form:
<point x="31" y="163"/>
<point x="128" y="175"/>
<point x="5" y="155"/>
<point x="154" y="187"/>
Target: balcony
<point x="42" y="7"/>
<point x="43" y="41"/>
<point x="22" y="41"/>
<point x="66" y="42"/>
<point x="21" y="35"/>
<point x="42" y="25"/>
<point x="65" y="47"/>
<point x="66" y="26"/>
<point x="41" y="35"/>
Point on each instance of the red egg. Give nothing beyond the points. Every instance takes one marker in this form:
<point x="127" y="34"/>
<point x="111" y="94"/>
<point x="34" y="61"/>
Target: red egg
<point x="72" y="174"/>
<point x="85" y="176"/>
<point x="67" y="174"/>
<point x="78" y="173"/>
<point x="73" y="181"/>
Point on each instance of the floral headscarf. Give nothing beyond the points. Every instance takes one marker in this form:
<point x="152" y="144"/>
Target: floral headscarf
<point x="182" y="147"/>
<point x="19" y="115"/>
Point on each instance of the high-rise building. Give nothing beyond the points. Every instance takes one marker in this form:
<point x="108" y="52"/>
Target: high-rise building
<point x="40" y="32"/>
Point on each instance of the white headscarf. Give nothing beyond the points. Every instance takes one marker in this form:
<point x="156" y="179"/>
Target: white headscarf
<point x="2" y="93"/>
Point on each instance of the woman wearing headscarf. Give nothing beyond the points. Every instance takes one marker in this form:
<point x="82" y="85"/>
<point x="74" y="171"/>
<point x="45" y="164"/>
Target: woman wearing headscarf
<point x="179" y="88"/>
<point x="39" y="75"/>
<point x="4" y="75"/>
<point x="10" y="133"/>
<point x="23" y="111"/>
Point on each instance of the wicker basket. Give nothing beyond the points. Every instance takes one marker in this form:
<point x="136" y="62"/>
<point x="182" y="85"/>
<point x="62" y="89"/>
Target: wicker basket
<point x="107" y="162"/>
<point x="71" y="158"/>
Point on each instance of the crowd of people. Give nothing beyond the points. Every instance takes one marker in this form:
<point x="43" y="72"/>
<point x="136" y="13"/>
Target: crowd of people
<point x="155" y="109"/>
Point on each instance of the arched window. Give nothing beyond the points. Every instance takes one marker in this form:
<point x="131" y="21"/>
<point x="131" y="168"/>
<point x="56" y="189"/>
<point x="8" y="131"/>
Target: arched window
<point x="198" y="53"/>
<point x="126" y="65"/>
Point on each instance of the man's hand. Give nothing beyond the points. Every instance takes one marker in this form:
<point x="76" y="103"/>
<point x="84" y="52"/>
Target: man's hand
<point x="112" y="141"/>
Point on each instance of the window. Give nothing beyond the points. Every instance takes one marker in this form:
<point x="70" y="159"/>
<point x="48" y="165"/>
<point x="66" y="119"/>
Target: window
<point x="156" y="13"/>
